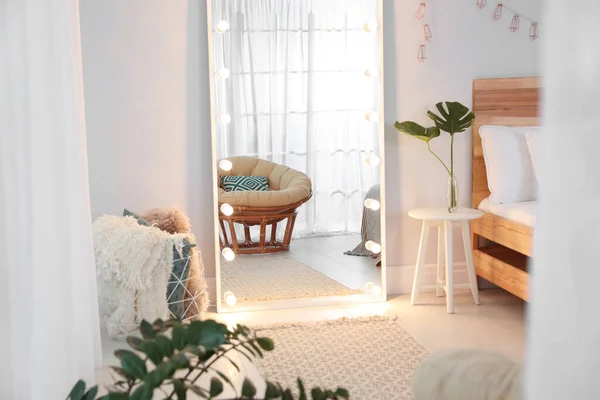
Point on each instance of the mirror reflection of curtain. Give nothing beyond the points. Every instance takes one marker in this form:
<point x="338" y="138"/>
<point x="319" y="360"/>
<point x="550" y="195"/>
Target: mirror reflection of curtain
<point x="298" y="95"/>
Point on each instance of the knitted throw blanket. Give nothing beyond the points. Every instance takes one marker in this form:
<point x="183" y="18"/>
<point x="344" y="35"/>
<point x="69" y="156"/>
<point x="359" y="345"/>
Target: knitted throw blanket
<point x="371" y="228"/>
<point x="133" y="264"/>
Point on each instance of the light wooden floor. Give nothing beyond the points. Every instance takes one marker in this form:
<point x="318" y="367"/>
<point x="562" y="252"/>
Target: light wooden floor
<point x="498" y="324"/>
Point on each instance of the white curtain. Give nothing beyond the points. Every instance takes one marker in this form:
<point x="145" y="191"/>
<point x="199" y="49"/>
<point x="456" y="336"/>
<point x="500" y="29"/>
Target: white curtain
<point x="563" y="347"/>
<point x="290" y="74"/>
<point x="49" y="329"/>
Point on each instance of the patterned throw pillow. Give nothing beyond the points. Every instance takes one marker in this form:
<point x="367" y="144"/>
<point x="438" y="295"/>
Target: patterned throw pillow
<point x="140" y="220"/>
<point x="244" y="183"/>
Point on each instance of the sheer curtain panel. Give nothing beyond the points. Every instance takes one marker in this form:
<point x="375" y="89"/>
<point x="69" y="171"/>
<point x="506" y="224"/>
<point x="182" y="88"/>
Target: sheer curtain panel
<point x="296" y="83"/>
<point x="49" y="328"/>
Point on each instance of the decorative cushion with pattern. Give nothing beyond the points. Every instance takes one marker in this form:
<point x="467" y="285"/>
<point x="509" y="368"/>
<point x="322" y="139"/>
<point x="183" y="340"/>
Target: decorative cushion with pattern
<point x="244" y="183"/>
<point x="140" y="220"/>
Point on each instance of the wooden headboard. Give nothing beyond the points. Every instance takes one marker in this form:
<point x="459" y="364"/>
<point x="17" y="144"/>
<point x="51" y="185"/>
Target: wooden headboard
<point x="506" y="102"/>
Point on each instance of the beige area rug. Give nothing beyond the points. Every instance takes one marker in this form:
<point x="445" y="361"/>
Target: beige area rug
<point x="277" y="277"/>
<point x="373" y="357"/>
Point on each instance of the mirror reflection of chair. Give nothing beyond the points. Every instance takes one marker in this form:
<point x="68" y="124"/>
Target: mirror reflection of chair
<point x="288" y="190"/>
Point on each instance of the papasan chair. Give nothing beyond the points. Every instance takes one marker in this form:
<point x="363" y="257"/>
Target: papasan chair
<point x="288" y="190"/>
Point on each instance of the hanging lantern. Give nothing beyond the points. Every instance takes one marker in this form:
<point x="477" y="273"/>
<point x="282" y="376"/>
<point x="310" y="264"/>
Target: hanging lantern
<point x="497" y="12"/>
<point x="427" y="32"/>
<point x="533" y="31"/>
<point x="514" y="24"/>
<point x="481" y="3"/>
<point x="421" y="53"/>
<point x="421" y="11"/>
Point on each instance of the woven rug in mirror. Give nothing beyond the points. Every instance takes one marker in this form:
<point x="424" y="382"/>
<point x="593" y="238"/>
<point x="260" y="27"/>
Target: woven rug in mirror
<point x="275" y="277"/>
<point x="371" y="357"/>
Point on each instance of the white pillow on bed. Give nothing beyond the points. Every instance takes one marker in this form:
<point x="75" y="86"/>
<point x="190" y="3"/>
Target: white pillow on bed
<point x="533" y="143"/>
<point x="508" y="164"/>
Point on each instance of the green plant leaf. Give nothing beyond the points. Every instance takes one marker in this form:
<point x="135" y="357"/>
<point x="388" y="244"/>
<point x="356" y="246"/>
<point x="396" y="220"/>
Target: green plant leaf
<point x="91" y="394"/>
<point x="78" y="391"/>
<point x="248" y="388"/>
<point x="216" y="387"/>
<point x="180" y="389"/>
<point x="454" y="118"/>
<point x="178" y="337"/>
<point x="146" y="329"/>
<point x="121" y="372"/>
<point x="151" y="349"/>
<point x="116" y="396"/>
<point x="302" y="390"/>
<point x="208" y="333"/>
<point x="417" y="131"/>
<point x="142" y="392"/>
<point x="165" y="345"/>
<point x="159" y="325"/>
<point x="288" y="395"/>
<point x="156" y="377"/>
<point x="134" y="342"/>
<point x="343" y="393"/>
<point x="207" y="355"/>
<point x="179" y="361"/>
<point x="172" y="323"/>
<point x="225" y="378"/>
<point x="134" y="366"/>
<point x="121" y="353"/>
<point x="265" y="343"/>
<point x="256" y="349"/>
<point x="198" y="390"/>
<point x="318" y="394"/>
<point x="272" y="391"/>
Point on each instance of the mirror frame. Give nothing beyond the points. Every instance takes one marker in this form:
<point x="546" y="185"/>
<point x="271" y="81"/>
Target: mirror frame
<point x="297" y="303"/>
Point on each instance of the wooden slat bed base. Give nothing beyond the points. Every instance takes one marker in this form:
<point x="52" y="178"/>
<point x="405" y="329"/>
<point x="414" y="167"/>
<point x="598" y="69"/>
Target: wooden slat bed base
<point x="503" y="267"/>
<point x="500" y="230"/>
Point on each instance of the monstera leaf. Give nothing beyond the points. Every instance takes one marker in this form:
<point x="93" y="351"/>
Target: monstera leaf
<point x="454" y="118"/>
<point x="418" y="131"/>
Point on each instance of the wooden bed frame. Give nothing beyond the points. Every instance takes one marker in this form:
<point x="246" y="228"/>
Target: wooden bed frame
<point x="501" y="248"/>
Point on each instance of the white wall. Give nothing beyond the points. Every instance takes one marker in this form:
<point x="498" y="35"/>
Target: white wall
<point x="466" y="45"/>
<point x="146" y="82"/>
<point x="147" y="123"/>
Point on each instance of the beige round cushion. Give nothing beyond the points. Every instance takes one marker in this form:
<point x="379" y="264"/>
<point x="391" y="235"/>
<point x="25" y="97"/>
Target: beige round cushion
<point x="287" y="185"/>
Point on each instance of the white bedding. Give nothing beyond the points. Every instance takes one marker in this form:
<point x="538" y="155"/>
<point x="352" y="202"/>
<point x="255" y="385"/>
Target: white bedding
<point x="521" y="212"/>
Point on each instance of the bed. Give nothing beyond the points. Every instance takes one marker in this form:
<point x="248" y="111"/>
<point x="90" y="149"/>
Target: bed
<point x="503" y="237"/>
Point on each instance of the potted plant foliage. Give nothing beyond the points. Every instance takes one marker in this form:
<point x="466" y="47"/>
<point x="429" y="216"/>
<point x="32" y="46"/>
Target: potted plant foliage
<point x="170" y="357"/>
<point x="454" y="117"/>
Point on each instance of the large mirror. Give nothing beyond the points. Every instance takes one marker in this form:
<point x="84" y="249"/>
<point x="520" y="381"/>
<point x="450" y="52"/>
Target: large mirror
<point x="297" y="104"/>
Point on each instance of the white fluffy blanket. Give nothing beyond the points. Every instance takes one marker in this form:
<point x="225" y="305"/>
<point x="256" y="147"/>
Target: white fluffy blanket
<point x="133" y="263"/>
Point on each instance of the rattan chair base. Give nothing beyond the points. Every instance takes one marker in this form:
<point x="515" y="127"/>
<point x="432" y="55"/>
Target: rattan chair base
<point x="228" y="237"/>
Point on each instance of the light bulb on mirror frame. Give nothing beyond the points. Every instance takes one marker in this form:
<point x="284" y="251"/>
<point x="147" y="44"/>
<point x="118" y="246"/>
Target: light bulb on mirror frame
<point x="372" y="204"/>
<point x="225" y="165"/>
<point x="226" y="209"/>
<point x="372" y="159"/>
<point x="373" y="247"/>
<point x="376" y="291"/>
<point x="369" y="26"/>
<point x="371" y="72"/>
<point x="230" y="298"/>
<point x="373" y="289"/>
<point x="223" y="73"/>
<point x="372" y="116"/>
<point x="222" y="26"/>
<point x="224" y="119"/>
<point x="228" y="254"/>
<point x="376" y="248"/>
